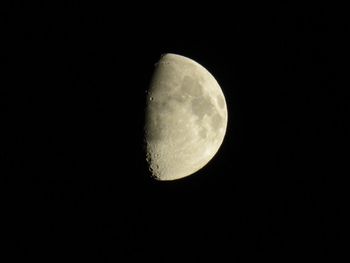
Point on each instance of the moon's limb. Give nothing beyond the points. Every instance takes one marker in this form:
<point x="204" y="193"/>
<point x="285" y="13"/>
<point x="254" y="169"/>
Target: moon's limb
<point x="186" y="118"/>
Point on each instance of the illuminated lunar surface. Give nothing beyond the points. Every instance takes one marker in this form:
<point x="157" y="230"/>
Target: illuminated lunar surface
<point x="186" y="118"/>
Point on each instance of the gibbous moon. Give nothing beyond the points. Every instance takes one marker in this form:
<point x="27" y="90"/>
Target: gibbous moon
<point x="186" y="118"/>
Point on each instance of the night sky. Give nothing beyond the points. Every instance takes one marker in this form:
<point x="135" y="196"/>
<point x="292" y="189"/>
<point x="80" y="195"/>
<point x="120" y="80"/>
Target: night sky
<point x="75" y="184"/>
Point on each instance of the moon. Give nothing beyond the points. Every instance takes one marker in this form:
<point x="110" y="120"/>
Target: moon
<point x="185" y="118"/>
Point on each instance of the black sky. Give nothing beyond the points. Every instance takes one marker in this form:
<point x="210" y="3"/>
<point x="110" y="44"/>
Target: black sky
<point x="75" y="181"/>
